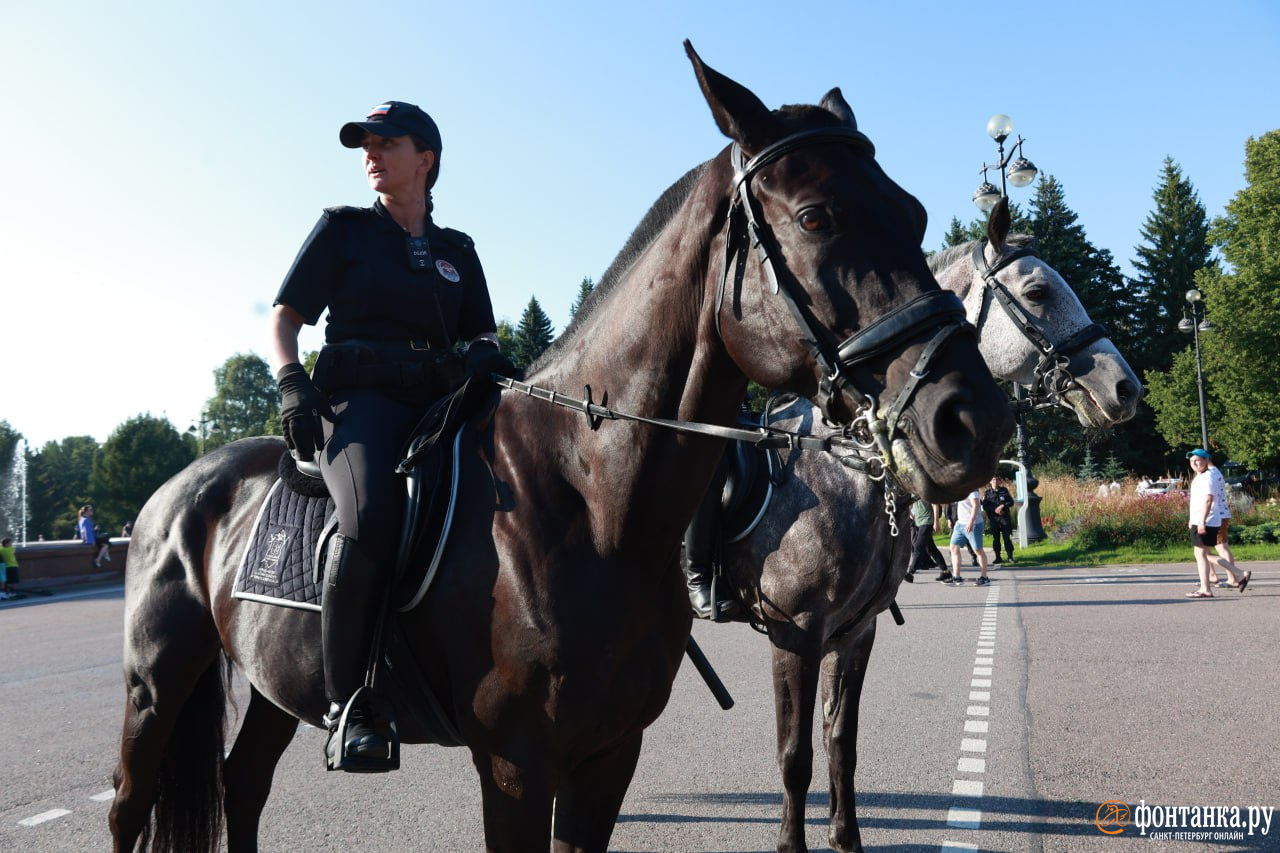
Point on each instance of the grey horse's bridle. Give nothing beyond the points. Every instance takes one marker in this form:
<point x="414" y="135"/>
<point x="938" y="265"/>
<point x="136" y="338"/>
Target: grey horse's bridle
<point x="1052" y="376"/>
<point x="940" y="312"/>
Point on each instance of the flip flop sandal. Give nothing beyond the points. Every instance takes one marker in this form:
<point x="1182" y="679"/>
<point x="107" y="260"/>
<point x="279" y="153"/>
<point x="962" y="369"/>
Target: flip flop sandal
<point x="1245" y="581"/>
<point x="1199" y="594"/>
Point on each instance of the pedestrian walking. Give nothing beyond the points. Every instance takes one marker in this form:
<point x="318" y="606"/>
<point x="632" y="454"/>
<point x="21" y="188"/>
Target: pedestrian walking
<point x="1204" y="519"/>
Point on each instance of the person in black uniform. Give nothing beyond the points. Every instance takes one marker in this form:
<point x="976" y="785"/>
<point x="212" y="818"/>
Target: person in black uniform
<point x="402" y="295"/>
<point x="997" y="503"/>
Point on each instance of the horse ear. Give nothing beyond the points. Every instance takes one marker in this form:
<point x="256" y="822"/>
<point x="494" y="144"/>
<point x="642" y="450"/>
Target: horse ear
<point x="834" y="103"/>
<point x="739" y="114"/>
<point x="998" y="225"/>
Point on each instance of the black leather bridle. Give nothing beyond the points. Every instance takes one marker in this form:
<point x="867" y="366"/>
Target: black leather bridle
<point x="940" y="312"/>
<point x="1052" y="376"/>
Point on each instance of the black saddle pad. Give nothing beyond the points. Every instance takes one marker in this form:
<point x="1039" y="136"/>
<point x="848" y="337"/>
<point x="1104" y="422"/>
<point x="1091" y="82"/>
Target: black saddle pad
<point x="279" y="562"/>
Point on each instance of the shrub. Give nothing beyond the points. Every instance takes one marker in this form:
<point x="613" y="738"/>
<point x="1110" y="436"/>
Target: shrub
<point x="1256" y="534"/>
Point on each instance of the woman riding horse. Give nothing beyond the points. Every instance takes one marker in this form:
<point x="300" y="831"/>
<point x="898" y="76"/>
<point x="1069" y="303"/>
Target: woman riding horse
<point x="401" y="292"/>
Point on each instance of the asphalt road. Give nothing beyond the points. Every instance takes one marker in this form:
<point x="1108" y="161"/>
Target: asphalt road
<point x="997" y="718"/>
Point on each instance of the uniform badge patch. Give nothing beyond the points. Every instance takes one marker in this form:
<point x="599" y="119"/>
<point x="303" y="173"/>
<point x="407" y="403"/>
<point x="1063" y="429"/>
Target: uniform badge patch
<point x="448" y="271"/>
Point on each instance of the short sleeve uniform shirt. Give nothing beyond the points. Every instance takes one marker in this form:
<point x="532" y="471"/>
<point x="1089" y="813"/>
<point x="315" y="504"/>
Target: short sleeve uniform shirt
<point x="361" y="265"/>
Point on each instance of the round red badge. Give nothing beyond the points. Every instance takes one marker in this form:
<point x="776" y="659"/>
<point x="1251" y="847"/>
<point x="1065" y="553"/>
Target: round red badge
<point x="448" y="271"/>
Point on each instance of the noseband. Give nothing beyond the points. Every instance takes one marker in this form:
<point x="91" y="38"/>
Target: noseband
<point x="940" y="312"/>
<point x="1052" y="377"/>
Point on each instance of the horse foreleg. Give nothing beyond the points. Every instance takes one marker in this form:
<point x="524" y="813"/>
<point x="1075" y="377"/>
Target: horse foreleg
<point x="795" y="688"/>
<point x="516" y="802"/>
<point x="264" y="735"/>
<point x="587" y="806"/>
<point x="842" y="677"/>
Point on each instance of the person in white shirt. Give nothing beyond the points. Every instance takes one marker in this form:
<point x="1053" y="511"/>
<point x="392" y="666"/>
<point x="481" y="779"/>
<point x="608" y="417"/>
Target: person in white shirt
<point x="1204" y="519"/>
<point x="1223" y="547"/>
<point x="968" y="527"/>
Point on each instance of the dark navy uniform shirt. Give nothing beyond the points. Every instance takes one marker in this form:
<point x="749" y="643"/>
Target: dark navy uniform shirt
<point x="359" y="263"/>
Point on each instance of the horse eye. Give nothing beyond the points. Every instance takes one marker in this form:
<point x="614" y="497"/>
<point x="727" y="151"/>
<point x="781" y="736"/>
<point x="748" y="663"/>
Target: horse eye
<point x="813" y="219"/>
<point x="1036" y="294"/>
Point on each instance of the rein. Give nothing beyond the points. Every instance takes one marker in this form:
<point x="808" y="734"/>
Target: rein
<point x="1052" y="376"/>
<point x="764" y="436"/>
<point x="940" y="312"/>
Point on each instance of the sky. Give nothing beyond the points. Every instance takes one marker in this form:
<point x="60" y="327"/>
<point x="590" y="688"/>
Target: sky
<point x="161" y="163"/>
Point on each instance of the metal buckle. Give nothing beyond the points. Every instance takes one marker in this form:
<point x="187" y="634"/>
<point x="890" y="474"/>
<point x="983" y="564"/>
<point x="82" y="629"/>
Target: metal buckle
<point x="416" y="347"/>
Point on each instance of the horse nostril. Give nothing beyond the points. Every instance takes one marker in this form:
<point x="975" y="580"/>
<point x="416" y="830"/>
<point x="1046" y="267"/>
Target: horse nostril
<point x="1126" y="390"/>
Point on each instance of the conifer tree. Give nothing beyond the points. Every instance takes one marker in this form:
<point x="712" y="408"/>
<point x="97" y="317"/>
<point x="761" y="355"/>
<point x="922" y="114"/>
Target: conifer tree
<point x="532" y="336"/>
<point x="1175" y="246"/>
<point x="1243" y="350"/>
<point x="584" y="290"/>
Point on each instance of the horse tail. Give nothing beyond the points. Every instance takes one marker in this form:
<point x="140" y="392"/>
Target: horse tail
<point x="189" y="811"/>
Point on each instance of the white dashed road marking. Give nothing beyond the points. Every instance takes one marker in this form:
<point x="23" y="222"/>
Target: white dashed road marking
<point x="54" y="814"/>
<point x="968" y="790"/>
<point x="36" y="820"/>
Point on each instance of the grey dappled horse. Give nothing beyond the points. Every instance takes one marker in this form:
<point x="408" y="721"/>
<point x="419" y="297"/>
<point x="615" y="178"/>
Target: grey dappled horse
<point x="823" y="561"/>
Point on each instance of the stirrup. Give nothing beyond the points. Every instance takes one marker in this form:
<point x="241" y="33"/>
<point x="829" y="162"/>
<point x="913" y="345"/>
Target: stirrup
<point x="378" y="718"/>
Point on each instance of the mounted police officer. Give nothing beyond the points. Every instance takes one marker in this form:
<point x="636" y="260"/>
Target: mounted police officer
<point x="402" y="294"/>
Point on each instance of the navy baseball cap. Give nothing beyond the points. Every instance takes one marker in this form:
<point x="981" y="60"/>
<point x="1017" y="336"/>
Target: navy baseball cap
<point x="392" y="118"/>
<point x="1203" y="454"/>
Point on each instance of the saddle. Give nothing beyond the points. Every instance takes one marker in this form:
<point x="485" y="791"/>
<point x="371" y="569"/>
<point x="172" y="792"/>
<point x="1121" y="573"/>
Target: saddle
<point x="284" y="560"/>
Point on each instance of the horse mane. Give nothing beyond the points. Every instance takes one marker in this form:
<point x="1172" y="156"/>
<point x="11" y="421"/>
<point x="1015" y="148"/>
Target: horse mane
<point x="648" y="230"/>
<point x="939" y="261"/>
<point x="644" y="234"/>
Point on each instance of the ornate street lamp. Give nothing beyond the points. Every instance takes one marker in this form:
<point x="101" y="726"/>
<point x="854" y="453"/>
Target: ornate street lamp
<point x="1017" y="170"/>
<point x="1194" y="321"/>
<point x="1020" y="172"/>
<point x="205" y="425"/>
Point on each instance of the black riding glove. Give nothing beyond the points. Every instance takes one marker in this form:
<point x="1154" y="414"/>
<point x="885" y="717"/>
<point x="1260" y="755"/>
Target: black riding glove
<point x="484" y="358"/>
<point x="301" y="408"/>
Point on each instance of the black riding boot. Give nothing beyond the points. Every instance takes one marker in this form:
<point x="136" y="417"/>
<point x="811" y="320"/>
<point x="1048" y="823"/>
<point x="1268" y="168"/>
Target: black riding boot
<point x="362" y="733"/>
<point x="699" y="545"/>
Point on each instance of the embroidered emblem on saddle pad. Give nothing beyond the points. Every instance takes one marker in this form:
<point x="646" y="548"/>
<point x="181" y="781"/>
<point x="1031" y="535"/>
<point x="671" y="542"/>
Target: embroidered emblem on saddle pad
<point x="279" y="563"/>
<point x="292" y="531"/>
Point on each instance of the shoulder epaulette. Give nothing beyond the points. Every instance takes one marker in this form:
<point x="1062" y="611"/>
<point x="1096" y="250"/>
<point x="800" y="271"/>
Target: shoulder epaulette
<point x="344" y="209"/>
<point x="458" y="238"/>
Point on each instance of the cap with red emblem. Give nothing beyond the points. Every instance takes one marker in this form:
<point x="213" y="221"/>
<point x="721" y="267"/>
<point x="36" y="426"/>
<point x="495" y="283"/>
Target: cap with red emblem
<point x="392" y="118"/>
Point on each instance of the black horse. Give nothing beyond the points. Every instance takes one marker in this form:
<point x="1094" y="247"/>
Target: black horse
<point x="558" y="618"/>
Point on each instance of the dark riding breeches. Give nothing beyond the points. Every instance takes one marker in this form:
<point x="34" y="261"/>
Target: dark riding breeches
<point x="358" y="463"/>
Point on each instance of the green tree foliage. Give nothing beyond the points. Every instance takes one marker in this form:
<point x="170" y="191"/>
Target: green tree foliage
<point x="1088" y="470"/>
<point x="245" y="402"/>
<point x="58" y="485"/>
<point x="136" y="460"/>
<point x="1172" y="396"/>
<point x="506" y="336"/>
<point x="584" y="290"/>
<point x="1175" y="247"/>
<point x="532" y="336"/>
<point x="1242" y="353"/>
<point x="10" y="485"/>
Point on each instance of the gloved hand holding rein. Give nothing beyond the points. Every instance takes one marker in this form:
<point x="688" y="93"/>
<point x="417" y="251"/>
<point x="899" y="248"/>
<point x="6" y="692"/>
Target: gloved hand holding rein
<point x="301" y="408"/>
<point x="484" y="358"/>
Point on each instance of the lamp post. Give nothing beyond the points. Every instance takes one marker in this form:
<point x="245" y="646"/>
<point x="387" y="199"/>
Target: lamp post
<point x="1194" y="321"/>
<point x="1017" y="170"/>
<point x="202" y="432"/>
